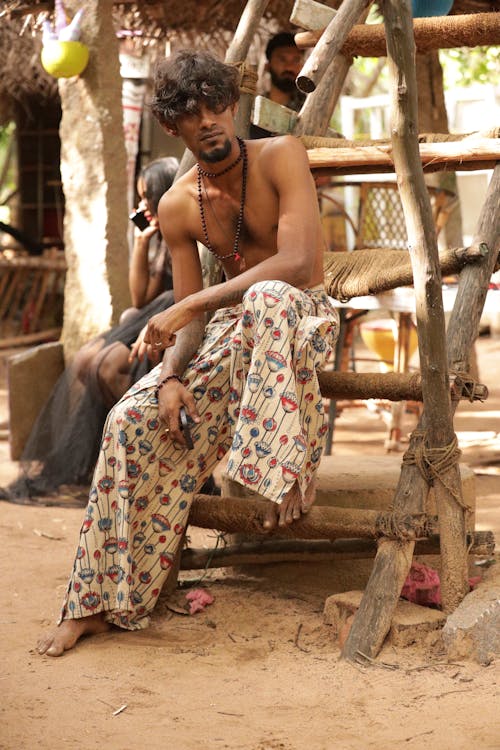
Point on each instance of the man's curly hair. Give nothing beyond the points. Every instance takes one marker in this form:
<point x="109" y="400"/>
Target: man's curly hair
<point x="189" y="78"/>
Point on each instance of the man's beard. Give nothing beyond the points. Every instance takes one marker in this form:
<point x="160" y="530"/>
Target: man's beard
<point x="217" y="154"/>
<point x="283" y="83"/>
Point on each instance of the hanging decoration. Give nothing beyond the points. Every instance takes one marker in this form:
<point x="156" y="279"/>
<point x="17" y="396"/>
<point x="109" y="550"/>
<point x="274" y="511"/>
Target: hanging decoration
<point x="63" y="55"/>
<point x="426" y="8"/>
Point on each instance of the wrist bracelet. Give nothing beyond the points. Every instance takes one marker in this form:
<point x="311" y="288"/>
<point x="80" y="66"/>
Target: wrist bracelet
<point x="165" y="380"/>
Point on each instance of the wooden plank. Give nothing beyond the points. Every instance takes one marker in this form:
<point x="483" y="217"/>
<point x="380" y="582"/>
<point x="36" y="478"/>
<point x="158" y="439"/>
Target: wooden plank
<point x="310" y="15"/>
<point x="441" y="32"/>
<point x="51" y="334"/>
<point x="450" y="154"/>
<point x="274" y="117"/>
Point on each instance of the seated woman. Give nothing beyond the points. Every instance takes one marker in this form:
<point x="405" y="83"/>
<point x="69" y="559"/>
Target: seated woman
<point x="64" y="443"/>
<point x="104" y="362"/>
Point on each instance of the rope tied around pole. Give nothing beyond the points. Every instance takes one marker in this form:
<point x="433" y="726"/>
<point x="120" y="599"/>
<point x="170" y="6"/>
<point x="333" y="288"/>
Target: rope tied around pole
<point x="434" y="463"/>
<point x="248" y="78"/>
<point x="404" y="526"/>
<point x="467" y="385"/>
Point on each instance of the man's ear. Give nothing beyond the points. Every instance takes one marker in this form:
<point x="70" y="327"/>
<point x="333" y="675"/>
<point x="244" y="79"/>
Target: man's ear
<point x="171" y="130"/>
<point x="234" y="108"/>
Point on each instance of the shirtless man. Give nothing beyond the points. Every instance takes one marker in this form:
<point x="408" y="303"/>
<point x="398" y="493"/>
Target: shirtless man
<point x="247" y="379"/>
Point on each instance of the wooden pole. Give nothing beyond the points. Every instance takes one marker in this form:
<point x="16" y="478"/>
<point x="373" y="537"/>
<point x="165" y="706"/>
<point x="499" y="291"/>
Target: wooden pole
<point x="268" y="551"/>
<point x="245" y="515"/>
<point x="370" y="630"/>
<point x="393" y="561"/>
<point x="441" y="32"/>
<point x="330" y="44"/>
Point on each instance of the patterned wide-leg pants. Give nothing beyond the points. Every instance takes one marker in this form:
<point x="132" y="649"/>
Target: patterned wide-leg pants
<point x="255" y="382"/>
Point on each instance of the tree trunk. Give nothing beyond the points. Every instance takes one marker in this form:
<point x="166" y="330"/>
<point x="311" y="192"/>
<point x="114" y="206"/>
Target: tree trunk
<point x="93" y="173"/>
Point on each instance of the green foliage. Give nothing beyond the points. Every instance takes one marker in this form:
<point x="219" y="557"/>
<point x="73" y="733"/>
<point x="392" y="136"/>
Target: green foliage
<point x="8" y="184"/>
<point x="465" y="67"/>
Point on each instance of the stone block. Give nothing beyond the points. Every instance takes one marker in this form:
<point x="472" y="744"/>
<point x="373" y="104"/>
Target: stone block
<point x="410" y="624"/>
<point x="472" y="631"/>
<point x="370" y="482"/>
<point x="31" y="376"/>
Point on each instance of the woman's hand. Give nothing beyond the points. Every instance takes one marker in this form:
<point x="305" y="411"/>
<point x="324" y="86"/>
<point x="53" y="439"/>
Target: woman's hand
<point x="140" y="349"/>
<point x="162" y="327"/>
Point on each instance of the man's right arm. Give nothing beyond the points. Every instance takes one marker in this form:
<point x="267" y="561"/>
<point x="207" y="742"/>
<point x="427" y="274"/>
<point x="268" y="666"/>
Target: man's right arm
<point x="187" y="278"/>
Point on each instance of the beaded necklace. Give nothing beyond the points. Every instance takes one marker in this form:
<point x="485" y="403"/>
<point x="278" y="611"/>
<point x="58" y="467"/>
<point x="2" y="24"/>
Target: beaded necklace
<point x="202" y="173"/>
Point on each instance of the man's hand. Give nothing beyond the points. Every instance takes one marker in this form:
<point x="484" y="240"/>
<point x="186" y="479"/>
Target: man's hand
<point x="171" y="397"/>
<point x="162" y="327"/>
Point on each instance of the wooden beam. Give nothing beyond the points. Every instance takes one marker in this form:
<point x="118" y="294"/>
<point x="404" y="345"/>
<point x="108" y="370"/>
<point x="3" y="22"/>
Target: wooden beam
<point x="234" y="514"/>
<point x="268" y="551"/>
<point x="448" y="155"/>
<point x="330" y="44"/>
<point x="390" y="386"/>
<point x="441" y="32"/>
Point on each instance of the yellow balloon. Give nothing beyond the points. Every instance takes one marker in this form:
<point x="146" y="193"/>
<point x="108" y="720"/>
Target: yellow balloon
<point x="64" y="59"/>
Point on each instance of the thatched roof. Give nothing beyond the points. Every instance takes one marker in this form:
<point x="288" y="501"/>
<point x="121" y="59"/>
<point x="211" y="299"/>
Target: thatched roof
<point x="210" y="23"/>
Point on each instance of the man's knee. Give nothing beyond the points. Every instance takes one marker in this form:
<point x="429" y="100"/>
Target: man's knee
<point x="267" y="291"/>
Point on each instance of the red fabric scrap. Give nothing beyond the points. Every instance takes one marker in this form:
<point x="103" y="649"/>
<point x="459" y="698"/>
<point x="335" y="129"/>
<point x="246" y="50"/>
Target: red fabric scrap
<point x="423" y="586"/>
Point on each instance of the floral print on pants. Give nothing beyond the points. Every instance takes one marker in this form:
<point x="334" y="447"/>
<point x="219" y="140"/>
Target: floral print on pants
<point x="255" y="382"/>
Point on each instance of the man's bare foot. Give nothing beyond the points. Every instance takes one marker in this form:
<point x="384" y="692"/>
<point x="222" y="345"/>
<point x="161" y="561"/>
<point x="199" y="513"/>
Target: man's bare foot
<point x="65" y="636"/>
<point x="294" y="505"/>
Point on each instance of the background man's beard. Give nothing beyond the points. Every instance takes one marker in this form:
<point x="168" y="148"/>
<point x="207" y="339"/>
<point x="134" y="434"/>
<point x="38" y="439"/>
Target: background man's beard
<point x="283" y="83"/>
<point x="217" y="154"/>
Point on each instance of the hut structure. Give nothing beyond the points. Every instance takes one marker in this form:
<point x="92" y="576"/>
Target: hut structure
<point x="432" y="457"/>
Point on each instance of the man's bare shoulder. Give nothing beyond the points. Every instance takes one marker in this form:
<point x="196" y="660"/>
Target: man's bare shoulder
<point x="178" y="194"/>
<point x="279" y="153"/>
<point x="277" y="145"/>
<point x="175" y="211"/>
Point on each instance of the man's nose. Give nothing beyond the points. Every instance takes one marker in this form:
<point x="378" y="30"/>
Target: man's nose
<point x="206" y="117"/>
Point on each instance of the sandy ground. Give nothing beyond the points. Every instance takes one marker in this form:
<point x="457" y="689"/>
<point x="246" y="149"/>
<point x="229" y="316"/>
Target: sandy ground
<point x="257" y="670"/>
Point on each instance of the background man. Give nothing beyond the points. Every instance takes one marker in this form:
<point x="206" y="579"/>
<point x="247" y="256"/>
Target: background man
<point x="284" y="63"/>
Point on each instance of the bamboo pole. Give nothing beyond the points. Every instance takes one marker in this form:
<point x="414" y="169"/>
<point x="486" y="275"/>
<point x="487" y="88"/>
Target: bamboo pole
<point x="330" y="44"/>
<point x="442" y="32"/>
<point x="393" y="561"/>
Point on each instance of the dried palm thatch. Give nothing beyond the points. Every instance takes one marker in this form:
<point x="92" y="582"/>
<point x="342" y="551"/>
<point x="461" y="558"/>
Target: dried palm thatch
<point x="22" y="73"/>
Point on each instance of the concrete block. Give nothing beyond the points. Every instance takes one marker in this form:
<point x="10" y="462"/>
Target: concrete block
<point x="370" y="482"/>
<point x="31" y="375"/>
<point x="410" y="624"/>
<point x="472" y="631"/>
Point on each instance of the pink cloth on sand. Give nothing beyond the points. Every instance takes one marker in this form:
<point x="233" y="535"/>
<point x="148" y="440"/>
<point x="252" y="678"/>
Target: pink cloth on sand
<point x="199" y="599"/>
